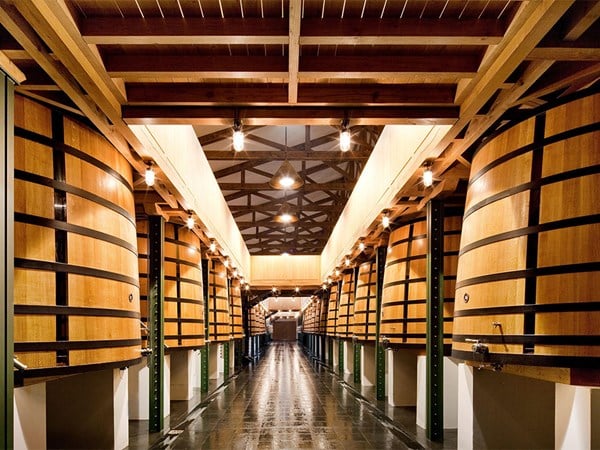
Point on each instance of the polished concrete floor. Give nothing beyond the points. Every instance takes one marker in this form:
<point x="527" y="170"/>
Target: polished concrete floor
<point x="285" y="402"/>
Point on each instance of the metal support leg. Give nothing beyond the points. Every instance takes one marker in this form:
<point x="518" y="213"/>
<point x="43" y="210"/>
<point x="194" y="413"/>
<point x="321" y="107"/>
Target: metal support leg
<point x="156" y="277"/>
<point x="225" y="360"/>
<point x="7" y="250"/>
<point x="379" y="351"/>
<point x="357" y="349"/>
<point x="205" y="349"/>
<point x="341" y="358"/>
<point x="435" y="320"/>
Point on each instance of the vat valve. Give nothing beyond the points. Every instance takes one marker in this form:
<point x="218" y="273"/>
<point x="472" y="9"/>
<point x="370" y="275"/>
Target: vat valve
<point x="478" y="346"/>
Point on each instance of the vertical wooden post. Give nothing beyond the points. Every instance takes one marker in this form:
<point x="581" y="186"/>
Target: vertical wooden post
<point x="156" y="278"/>
<point x="435" y="320"/>
<point x="379" y="350"/>
<point x="205" y="349"/>
<point x="7" y="251"/>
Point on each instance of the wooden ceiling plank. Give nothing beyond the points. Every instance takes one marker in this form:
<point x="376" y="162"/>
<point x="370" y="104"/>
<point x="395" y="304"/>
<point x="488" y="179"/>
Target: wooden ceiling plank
<point x="307" y="93"/>
<point x="588" y="14"/>
<point x="184" y="31"/>
<point x="282" y="115"/>
<point x="295" y="16"/>
<point x="276" y="155"/>
<point x="11" y="69"/>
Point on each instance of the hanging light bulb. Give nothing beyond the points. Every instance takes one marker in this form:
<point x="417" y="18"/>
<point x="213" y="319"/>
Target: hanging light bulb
<point x="238" y="136"/>
<point x="337" y="272"/>
<point x="345" y="139"/>
<point x="427" y="176"/>
<point x="226" y="263"/>
<point x="235" y="273"/>
<point x="297" y="289"/>
<point x="285" y="254"/>
<point x="361" y="246"/>
<point x="149" y="176"/>
<point x="213" y="246"/>
<point x="385" y="220"/>
<point x="324" y="287"/>
<point x="247" y="287"/>
<point x="347" y="262"/>
<point x="190" y="222"/>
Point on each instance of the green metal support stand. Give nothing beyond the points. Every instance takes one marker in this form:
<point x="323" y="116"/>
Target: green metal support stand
<point x="7" y="250"/>
<point x="357" y="350"/>
<point x="225" y="360"/>
<point x="341" y="357"/>
<point x="435" y="320"/>
<point x="330" y="352"/>
<point x="156" y="278"/>
<point x="379" y="350"/>
<point x="205" y="349"/>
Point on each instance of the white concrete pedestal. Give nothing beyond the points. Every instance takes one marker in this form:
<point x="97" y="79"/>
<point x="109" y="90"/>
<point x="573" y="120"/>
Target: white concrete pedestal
<point x="196" y="368"/>
<point x="216" y="361"/>
<point x="181" y="375"/>
<point x="450" y="392"/>
<point x="139" y="391"/>
<point x="402" y="377"/>
<point x="465" y="407"/>
<point x="348" y="357"/>
<point x="572" y="417"/>
<point x="121" y="408"/>
<point x="336" y="354"/>
<point x="30" y="417"/>
<point x="368" y="369"/>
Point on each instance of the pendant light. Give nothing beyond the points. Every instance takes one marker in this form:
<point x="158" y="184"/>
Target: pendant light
<point x="286" y="176"/>
<point x="285" y="215"/>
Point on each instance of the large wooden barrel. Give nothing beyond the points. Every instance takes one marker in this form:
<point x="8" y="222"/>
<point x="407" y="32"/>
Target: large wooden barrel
<point x="183" y="300"/>
<point x="529" y="266"/>
<point x="235" y="306"/>
<point x="219" y="319"/>
<point x="404" y="295"/>
<point x="76" y="286"/>
<point x="257" y="321"/>
<point x="365" y="302"/>
<point x="322" y="317"/>
<point x="309" y="320"/>
<point x="332" y="309"/>
<point x="345" y="321"/>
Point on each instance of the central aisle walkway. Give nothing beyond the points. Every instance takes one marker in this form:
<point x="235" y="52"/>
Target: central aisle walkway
<point x="285" y="403"/>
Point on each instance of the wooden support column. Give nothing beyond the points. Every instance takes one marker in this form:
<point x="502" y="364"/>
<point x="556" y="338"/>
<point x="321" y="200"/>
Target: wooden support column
<point x="379" y="350"/>
<point x="7" y="251"/>
<point x="435" y="320"/>
<point x="205" y="355"/>
<point x="156" y="278"/>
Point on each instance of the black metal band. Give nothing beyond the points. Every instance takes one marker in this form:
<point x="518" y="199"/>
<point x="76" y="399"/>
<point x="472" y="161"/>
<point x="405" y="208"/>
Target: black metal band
<point x="62" y="186"/>
<point x="71" y="228"/>
<point x="543" y="339"/>
<point x="74" y="345"/>
<point x="535" y="308"/>
<point x="59" y="145"/>
<point x="530" y="359"/>
<point x="526" y="273"/>
<point x="77" y="270"/>
<point x="70" y="370"/>
<point x="75" y="311"/>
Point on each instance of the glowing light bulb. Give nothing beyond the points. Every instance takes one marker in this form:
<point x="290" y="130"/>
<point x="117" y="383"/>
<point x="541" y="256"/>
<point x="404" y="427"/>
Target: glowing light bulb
<point x="345" y="140"/>
<point x="235" y="273"/>
<point x="385" y="221"/>
<point x="238" y="140"/>
<point x="361" y="246"/>
<point x="149" y="176"/>
<point x="286" y="181"/>
<point x="337" y="272"/>
<point x="297" y="289"/>
<point x="285" y="254"/>
<point x="247" y="287"/>
<point x="427" y="177"/>
<point x="226" y="263"/>
<point x="328" y="280"/>
<point x="286" y="218"/>
<point x="213" y="247"/>
<point x="190" y="222"/>
<point x="324" y="287"/>
<point x="347" y="262"/>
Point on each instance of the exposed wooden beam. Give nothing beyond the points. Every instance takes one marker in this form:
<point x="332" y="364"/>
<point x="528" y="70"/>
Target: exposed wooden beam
<point x="310" y="187"/>
<point x="294" y="50"/>
<point x="567" y="53"/>
<point x="11" y="68"/>
<point x="282" y="115"/>
<point x="184" y="31"/>
<point x="276" y="155"/>
<point x="53" y="22"/>
<point x="132" y="66"/>
<point x="306" y="93"/>
<point x="220" y="135"/>
<point x="274" y="31"/>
